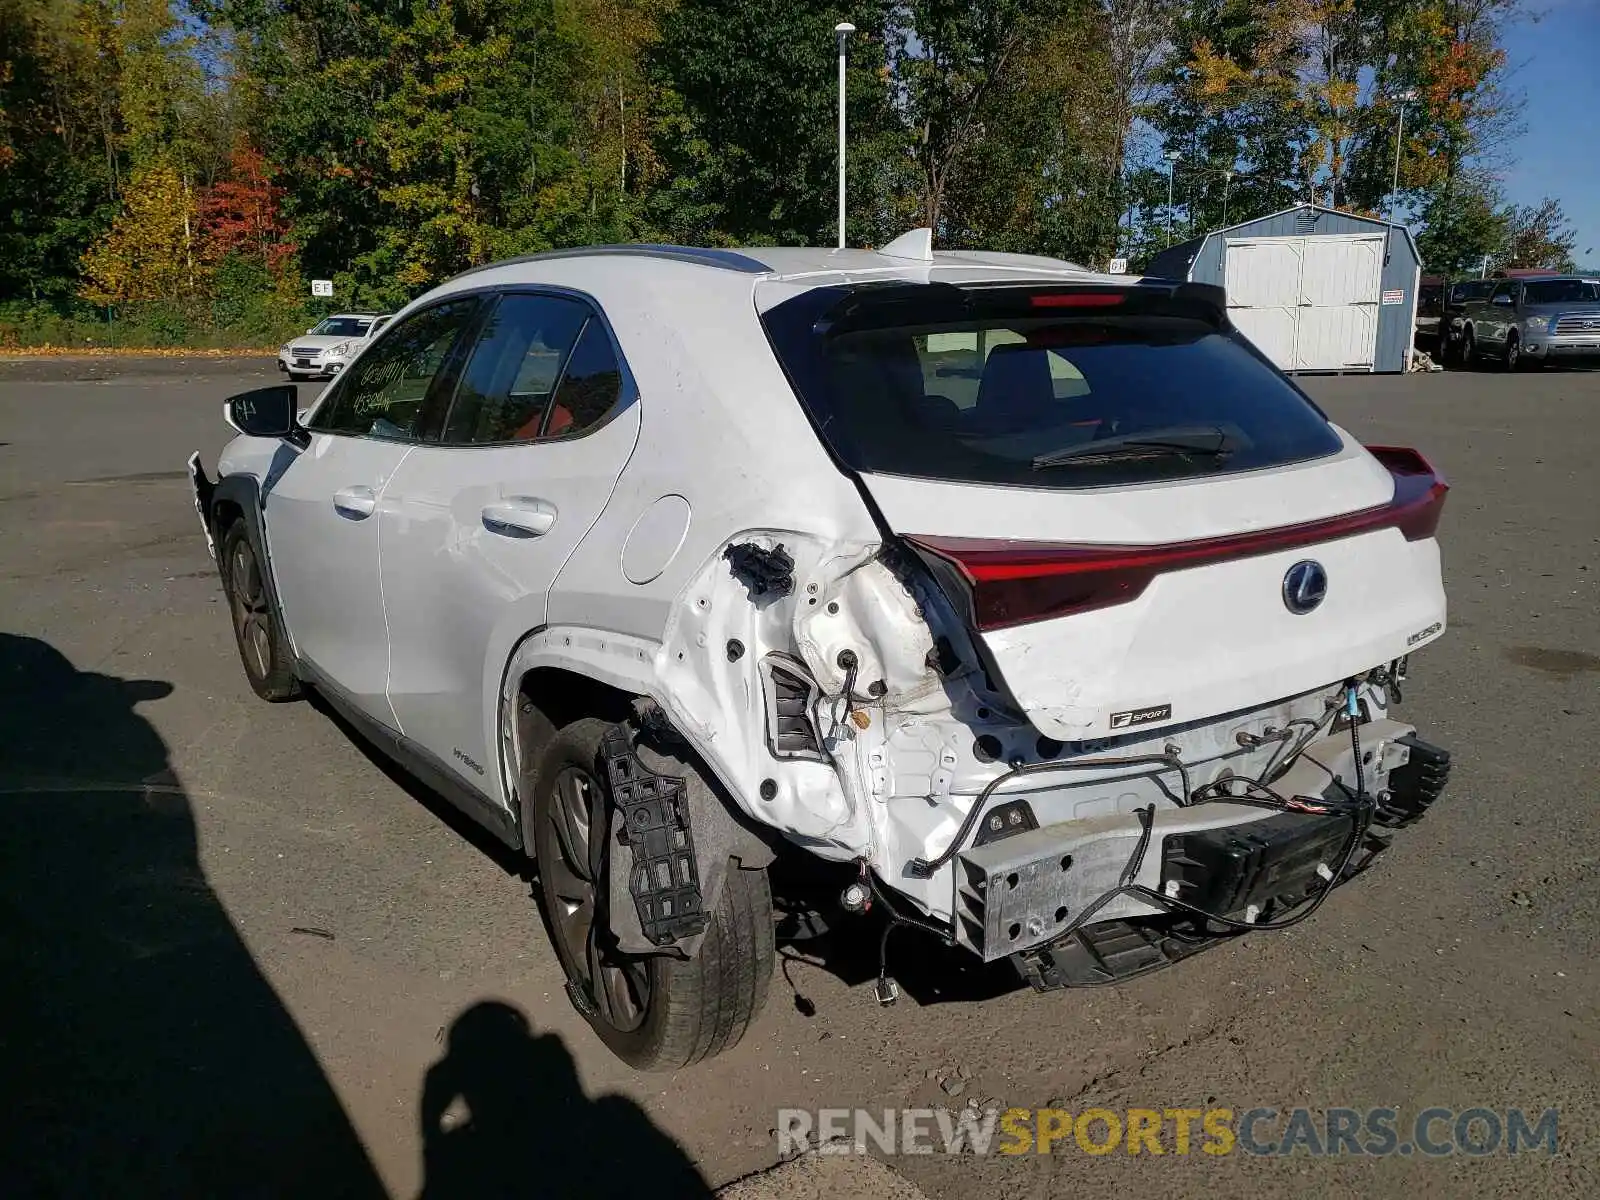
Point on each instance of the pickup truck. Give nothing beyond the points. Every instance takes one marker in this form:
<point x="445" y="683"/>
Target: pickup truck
<point x="1525" y="323"/>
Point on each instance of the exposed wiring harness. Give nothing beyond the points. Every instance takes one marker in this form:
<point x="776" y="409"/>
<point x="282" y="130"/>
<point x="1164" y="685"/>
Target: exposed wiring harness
<point x="841" y="704"/>
<point x="1357" y="805"/>
<point x="924" y="868"/>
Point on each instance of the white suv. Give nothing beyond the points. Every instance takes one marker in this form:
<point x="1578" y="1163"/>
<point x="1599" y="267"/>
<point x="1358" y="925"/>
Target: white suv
<point x="1034" y="601"/>
<point x="328" y="346"/>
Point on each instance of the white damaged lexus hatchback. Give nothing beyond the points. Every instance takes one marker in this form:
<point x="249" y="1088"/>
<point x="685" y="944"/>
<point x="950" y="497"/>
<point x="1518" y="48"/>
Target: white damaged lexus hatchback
<point x="1028" y="609"/>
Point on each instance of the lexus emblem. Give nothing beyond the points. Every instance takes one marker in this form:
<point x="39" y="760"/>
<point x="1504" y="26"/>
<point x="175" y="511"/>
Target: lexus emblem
<point x="1304" y="586"/>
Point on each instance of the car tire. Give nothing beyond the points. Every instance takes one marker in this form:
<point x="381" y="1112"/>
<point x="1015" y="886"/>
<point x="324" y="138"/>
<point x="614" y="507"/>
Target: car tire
<point x="1513" y="357"/>
<point x="655" y="1012"/>
<point x="1469" y="351"/>
<point x="263" y="648"/>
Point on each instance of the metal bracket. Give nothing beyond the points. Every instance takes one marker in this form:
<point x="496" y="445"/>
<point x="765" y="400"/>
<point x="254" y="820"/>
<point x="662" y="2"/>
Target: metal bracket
<point x="664" y="881"/>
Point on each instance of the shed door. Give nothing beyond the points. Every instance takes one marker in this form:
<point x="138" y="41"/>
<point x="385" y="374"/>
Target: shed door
<point x="1340" y="282"/>
<point x="1308" y="303"/>
<point x="1262" y="277"/>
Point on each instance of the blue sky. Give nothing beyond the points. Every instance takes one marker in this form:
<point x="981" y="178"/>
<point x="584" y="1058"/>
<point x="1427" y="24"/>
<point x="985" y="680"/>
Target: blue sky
<point x="1556" y="66"/>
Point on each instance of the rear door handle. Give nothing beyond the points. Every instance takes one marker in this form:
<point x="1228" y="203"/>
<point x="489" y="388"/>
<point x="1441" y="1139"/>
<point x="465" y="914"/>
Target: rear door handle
<point x="519" y="516"/>
<point x="355" y="502"/>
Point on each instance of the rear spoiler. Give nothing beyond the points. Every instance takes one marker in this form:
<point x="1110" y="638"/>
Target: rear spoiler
<point x="870" y="305"/>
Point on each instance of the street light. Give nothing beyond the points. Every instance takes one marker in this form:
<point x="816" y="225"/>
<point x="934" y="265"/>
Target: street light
<point x="1399" y="132"/>
<point x="1172" y="166"/>
<point x="842" y="31"/>
<point x="1227" y="182"/>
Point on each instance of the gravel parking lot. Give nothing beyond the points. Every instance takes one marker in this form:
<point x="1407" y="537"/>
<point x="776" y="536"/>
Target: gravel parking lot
<point x="239" y="955"/>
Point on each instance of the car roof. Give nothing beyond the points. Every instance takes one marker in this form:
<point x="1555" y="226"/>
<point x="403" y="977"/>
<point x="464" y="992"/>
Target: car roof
<point x="793" y="268"/>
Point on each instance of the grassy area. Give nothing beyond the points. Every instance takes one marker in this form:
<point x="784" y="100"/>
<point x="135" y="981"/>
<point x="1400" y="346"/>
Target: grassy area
<point x="243" y="326"/>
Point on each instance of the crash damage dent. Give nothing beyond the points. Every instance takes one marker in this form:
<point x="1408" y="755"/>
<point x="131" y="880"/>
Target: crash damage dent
<point x="908" y="728"/>
<point x="896" y="703"/>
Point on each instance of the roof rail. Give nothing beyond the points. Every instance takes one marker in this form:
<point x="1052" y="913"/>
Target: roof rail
<point x="727" y="260"/>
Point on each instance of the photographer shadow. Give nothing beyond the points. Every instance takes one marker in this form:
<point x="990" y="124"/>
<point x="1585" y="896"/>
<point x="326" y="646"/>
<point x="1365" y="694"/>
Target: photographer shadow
<point x="142" y="1052"/>
<point x="504" y="1115"/>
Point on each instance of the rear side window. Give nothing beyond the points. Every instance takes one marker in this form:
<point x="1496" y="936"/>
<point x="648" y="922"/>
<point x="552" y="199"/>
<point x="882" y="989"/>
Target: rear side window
<point x="1022" y="388"/>
<point x="542" y="367"/>
<point x="590" y="385"/>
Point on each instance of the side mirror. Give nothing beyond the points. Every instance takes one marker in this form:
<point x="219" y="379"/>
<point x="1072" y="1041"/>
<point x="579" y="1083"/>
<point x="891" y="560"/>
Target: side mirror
<point x="269" y="412"/>
<point x="1502" y="300"/>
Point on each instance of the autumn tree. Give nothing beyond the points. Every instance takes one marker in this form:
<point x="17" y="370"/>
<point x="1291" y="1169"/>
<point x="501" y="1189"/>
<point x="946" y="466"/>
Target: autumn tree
<point x="1446" y="69"/>
<point x="210" y="154"/>
<point x="1538" y="235"/>
<point x="242" y="214"/>
<point x="149" y="251"/>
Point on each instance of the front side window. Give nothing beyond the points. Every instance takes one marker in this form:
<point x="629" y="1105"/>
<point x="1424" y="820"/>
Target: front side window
<point x="385" y="391"/>
<point x="1503" y="294"/>
<point x="543" y="367"/>
<point x="1035" y="388"/>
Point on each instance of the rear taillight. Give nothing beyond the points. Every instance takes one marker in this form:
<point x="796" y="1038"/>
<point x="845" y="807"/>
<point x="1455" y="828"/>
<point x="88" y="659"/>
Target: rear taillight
<point x="1419" y="490"/>
<point x="1003" y="582"/>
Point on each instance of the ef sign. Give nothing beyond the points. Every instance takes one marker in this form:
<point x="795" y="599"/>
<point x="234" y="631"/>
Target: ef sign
<point x="322" y="287"/>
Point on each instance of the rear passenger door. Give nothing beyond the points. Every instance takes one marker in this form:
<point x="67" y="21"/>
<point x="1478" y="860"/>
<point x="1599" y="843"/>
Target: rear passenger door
<point x="475" y="526"/>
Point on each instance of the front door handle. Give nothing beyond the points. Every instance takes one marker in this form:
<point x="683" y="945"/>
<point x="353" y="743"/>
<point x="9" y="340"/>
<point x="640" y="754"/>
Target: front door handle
<point x="356" y="502"/>
<point x="519" y="516"/>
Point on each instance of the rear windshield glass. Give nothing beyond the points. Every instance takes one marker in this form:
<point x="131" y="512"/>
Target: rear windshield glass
<point x="1561" y="291"/>
<point x="1006" y="391"/>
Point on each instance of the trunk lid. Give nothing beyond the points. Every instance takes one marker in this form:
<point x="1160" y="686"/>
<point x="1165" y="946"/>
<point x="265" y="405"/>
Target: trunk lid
<point x="1171" y="603"/>
<point x="1144" y="522"/>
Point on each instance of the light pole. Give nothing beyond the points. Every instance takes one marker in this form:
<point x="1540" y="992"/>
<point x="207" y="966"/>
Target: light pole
<point x="842" y="31"/>
<point x="1399" y="133"/>
<point x="1172" y="166"/>
<point x="1227" y="182"/>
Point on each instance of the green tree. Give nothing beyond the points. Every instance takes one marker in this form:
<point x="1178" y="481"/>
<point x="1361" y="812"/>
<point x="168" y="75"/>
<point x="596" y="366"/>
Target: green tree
<point x="56" y="183"/>
<point x="745" y="123"/>
<point x="1230" y="105"/>
<point x="1461" y="229"/>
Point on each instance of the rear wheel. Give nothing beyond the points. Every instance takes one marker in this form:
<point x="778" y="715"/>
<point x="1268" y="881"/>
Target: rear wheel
<point x="653" y="1011"/>
<point x="263" y="648"/>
